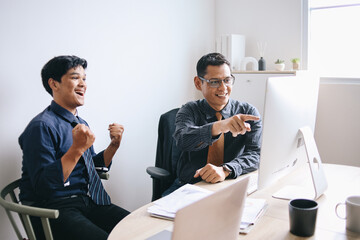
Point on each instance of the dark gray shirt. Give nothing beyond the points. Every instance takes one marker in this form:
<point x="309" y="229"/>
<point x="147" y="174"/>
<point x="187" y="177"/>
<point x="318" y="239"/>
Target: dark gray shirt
<point x="193" y="137"/>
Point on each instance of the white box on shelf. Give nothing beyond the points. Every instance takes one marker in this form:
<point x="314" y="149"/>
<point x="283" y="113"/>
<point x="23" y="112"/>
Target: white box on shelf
<point x="232" y="46"/>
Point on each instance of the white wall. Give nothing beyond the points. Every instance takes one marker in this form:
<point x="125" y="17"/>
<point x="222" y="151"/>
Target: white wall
<point x="279" y="23"/>
<point x="142" y="56"/>
<point x="276" y="22"/>
<point x="337" y="128"/>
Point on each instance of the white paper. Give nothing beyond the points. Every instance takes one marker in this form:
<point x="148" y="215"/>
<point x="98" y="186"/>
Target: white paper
<point x="167" y="206"/>
<point x="252" y="210"/>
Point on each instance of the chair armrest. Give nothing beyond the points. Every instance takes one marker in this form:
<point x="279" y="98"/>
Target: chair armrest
<point x="24" y="209"/>
<point x="158" y="173"/>
<point x="103" y="172"/>
<point x="104" y="175"/>
<point x="32" y="211"/>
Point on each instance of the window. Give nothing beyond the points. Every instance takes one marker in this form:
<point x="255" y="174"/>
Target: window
<point x="334" y="38"/>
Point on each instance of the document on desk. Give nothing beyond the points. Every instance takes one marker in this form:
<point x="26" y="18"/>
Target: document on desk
<point x="167" y="206"/>
<point x="254" y="208"/>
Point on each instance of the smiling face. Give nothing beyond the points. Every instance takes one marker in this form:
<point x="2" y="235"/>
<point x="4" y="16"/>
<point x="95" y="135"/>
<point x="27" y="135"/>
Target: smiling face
<point x="216" y="97"/>
<point x="70" y="92"/>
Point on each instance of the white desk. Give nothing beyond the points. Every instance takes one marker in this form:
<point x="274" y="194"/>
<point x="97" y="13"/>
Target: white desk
<point x="274" y="224"/>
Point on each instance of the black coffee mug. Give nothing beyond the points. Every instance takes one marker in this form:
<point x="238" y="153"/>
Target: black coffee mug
<point x="302" y="215"/>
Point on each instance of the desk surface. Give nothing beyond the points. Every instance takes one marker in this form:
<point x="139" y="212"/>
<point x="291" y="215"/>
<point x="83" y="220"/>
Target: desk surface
<point x="343" y="181"/>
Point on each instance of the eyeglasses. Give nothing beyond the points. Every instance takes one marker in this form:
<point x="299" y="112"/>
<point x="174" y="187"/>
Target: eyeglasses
<point x="215" y="83"/>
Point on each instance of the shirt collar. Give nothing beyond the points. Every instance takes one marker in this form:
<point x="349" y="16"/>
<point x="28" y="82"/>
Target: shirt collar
<point x="210" y="112"/>
<point x="62" y="112"/>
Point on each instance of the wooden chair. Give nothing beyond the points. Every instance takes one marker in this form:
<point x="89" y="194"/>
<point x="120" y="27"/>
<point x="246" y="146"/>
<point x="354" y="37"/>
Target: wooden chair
<point x="25" y="212"/>
<point x="9" y="200"/>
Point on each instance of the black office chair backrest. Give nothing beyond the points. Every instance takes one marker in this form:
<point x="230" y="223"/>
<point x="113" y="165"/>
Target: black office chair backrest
<point x="167" y="155"/>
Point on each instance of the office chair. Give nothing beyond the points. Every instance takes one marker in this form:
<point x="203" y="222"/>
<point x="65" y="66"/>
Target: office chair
<point x="167" y="155"/>
<point x="25" y="211"/>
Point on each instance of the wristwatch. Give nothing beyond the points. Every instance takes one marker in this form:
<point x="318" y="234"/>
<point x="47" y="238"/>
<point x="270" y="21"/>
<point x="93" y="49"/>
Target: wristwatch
<point x="227" y="169"/>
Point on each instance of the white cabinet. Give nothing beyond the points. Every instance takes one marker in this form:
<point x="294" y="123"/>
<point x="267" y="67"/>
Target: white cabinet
<point x="251" y="86"/>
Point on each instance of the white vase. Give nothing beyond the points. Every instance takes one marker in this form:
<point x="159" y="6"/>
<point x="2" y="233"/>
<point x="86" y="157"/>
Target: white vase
<point x="279" y="66"/>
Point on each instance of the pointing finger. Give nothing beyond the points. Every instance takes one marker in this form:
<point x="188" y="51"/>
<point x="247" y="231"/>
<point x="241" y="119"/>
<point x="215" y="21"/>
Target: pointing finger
<point x="246" y="117"/>
<point x="197" y="173"/>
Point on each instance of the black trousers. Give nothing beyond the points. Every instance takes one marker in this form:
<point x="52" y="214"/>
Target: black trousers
<point x="80" y="218"/>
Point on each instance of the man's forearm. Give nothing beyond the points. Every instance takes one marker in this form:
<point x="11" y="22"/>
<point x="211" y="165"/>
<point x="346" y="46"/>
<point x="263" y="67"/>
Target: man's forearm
<point x="216" y="130"/>
<point x="69" y="160"/>
<point x="109" y="154"/>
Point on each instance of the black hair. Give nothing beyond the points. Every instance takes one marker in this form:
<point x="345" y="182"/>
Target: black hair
<point x="213" y="59"/>
<point x="58" y="67"/>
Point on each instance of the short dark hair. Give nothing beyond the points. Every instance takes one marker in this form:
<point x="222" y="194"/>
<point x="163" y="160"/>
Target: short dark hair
<point x="58" y="67"/>
<point x="213" y="59"/>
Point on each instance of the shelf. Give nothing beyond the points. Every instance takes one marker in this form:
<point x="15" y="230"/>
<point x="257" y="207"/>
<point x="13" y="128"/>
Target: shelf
<point x="265" y="72"/>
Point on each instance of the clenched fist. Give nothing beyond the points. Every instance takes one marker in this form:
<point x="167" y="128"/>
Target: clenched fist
<point x="116" y="131"/>
<point x="83" y="137"/>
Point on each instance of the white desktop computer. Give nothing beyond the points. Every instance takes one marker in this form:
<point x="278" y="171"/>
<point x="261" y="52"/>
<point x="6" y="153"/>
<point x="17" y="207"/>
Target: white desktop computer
<point x="287" y="140"/>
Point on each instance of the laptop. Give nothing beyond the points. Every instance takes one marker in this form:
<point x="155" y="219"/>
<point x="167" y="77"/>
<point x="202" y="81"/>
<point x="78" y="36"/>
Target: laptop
<point x="214" y="217"/>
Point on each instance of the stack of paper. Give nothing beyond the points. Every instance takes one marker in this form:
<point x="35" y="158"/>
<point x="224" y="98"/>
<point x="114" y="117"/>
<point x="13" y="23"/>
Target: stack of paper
<point x="253" y="209"/>
<point x="167" y="207"/>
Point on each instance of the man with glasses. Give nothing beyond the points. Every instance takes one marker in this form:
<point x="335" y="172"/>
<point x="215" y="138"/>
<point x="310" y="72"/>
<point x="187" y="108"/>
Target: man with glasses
<point x="219" y="137"/>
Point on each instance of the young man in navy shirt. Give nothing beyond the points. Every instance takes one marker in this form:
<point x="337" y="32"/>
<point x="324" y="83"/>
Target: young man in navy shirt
<point x="59" y="159"/>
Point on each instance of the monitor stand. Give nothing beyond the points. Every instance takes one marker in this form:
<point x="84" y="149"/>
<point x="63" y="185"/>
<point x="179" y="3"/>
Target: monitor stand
<point x="316" y="169"/>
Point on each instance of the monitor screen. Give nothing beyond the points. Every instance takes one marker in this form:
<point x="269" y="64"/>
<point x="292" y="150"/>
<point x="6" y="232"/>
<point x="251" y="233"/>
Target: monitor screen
<point x="290" y="104"/>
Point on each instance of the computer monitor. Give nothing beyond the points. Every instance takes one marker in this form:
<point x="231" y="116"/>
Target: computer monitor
<point x="290" y="105"/>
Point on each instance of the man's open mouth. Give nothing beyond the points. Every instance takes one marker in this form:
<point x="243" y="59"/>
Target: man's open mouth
<point x="81" y="93"/>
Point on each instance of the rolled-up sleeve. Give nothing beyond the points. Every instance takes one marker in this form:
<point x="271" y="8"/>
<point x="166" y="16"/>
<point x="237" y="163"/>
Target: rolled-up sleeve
<point x="99" y="158"/>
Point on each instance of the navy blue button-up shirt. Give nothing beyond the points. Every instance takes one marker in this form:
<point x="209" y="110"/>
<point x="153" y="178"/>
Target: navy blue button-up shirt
<point x="193" y="136"/>
<point x="44" y="141"/>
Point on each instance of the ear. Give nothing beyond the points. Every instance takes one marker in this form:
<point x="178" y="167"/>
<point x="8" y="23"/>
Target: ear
<point x="197" y="82"/>
<point x="54" y="85"/>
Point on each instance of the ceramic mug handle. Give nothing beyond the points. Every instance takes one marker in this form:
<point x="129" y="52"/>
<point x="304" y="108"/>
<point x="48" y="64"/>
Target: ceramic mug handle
<point x="336" y="210"/>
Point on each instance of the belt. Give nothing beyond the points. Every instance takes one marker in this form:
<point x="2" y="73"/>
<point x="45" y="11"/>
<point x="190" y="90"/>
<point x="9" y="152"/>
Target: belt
<point x="32" y="203"/>
<point x="67" y="197"/>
